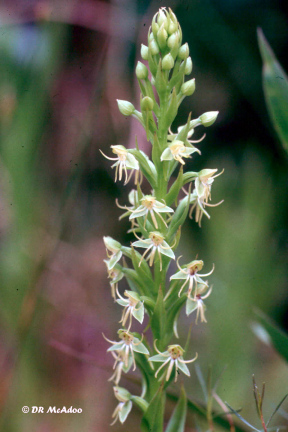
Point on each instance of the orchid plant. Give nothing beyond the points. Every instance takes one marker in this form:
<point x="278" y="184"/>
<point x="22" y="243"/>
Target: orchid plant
<point x="156" y="220"/>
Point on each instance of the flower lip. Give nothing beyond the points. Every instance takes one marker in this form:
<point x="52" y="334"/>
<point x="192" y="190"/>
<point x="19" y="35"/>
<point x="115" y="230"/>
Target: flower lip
<point x="156" y="237"/>
<point x="194" y="266"/>
<point x="148" y="201"/>
<point x="175" y="351"/>
<point x="125" y="336"/>
<point x="176" y="147"/>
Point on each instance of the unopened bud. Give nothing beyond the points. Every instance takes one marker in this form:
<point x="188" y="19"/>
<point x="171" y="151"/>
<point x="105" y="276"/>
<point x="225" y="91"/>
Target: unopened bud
<point x="167" y="62"/>
<point x="153" y="47"/>
<point x="144" y="52"/>
<point x="155" y="28"/>
<point x="147" y="104"/>
<point x="183" y="52"/>
<point x="172" y="27"/>
<point x="151" y="36"/>
<point x="141" y="71"/>
<point x="126" y="108"/>
<point x="162" y="19"/>
<point x="207" y="119"/>
<point x="173" y="41"/>
<point x="188" y="87"/>
<point x="162" y="36"/>
<point x="188" y="67"/>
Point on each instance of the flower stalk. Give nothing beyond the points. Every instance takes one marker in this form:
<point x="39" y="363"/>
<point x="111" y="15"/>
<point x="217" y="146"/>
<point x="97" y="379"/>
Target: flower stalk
<point x="156" y="223"/>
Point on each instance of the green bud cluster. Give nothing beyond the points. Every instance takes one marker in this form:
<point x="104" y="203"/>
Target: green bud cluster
<point x="156" y="221"/>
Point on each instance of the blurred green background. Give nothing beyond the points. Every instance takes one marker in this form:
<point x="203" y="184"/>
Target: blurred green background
<point x="63" y="64"/>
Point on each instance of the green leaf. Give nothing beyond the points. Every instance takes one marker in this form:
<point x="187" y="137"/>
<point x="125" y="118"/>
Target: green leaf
<point x="158" y="319"/>
<point x="276" y="409"/>
<point x="156" y="152"/>
<point x="178" y="217"/>
<point x="147" y="167"/>
<point x="241" y="418"/>
<point x="172" y="109"/>
<point x="173" y="312"/>
<point x="178" y="418"/>
<point x="137" y="281"/>
<point x="279" y="339"/>
<point x="175" y="188"/>
<point x="153" y="418"/>
<point x="143" y="271"/>
<point x="275" y="84"/>
<point x="198" y="408"/>
<point x="177" y="79"/>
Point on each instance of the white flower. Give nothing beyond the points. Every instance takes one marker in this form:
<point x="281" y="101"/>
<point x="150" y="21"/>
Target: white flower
<point x="173" y="356"/>
<point x="132" y="307"/>
<point x="177" y="150"/>
<point x="190" y="274"/>
<point x="123" y="160"/>
<point x="149" y="205"/>
<point x="198" y="304"/>
<point x="120" y="366"/>
<point x="155" y="243"/>
<point x="127" y="345"/>
<point x="124" y="407"/>
<point x="203" y="182"/>
<point x="115" y="248"/>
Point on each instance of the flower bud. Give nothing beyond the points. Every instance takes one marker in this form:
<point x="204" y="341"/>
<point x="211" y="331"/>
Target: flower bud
<point x="126" y="108"/>
<point x="151" y="36"/>
<point x="111" y="244"/>
<point x="155" y="28"/>
<point x="121" y="394"/>
<point x="153" y="47"/>
<point x="162" y="19"/>
<point x="144" y="52"/>
<point x="173" y="41"/>
<point x="183" y="52"/>
<point x="141" y="71"/>
<point x="167" y="62"/>
<point x="207" y="119"/>
<point x="172" y="27"/>
<point x="188" y="67"/>
<point x="172" y="16"/>
<point x="152" y="80"/>
<point x="147" y="104"/>
<point x="188" y="87"/>
<point x="162" y="36"/>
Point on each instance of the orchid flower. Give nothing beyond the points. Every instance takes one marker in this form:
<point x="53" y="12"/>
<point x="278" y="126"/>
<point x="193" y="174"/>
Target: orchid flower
<point x="172" y="357"/>
<point x="177" y="150"/>
<point x="132" y="307"/>
<point x="155" y="243"/>
<point x="127" y="345"/>
<point x="149" y="205"/>
<point x="124" y="407"/>
<point x="191" y="275"/>
<point x="124" y="161"/>
<point x="198" y="305"/>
